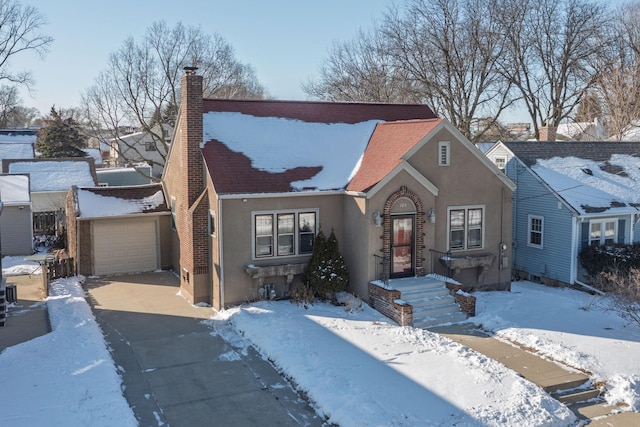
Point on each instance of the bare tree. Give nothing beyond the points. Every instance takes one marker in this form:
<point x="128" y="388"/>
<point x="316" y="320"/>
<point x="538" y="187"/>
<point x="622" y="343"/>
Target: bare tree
<point x="552" y="47"/>
<point x="20" y="32"/>
<point x="362" y="70"/>
<point x="617" y="84"/>
<point x="141" y="84"/>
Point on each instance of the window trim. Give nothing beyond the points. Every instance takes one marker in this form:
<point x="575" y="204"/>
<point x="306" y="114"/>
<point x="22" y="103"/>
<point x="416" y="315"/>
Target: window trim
<point x="504" y="159"/>
<point x="172" y="207"/>
<point x="212" y="223"/>
<point x="603" y="229"/>
<point x="275" y="233"/>
<point x="466" y="228"/>
<point x="530" y="230"/>
<point x="446" y="146"/>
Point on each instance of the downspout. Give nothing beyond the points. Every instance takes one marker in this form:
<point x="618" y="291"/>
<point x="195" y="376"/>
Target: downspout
<point x="221" y="253"/>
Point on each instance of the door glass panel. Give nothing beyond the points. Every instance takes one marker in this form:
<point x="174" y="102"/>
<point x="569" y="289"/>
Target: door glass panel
<point x="402" y="246"/>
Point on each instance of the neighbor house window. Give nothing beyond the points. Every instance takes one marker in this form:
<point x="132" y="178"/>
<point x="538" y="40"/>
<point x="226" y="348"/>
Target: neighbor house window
<point x="602" y="232"/>
<point x="444" y="155"/>
<point x="536" y="228"/>
<point x="173" y="213"/>
<point x="501" y="162"/>
<point x="150" y="146"/>
<point x="212" y="223"/>
<point x="466" y="227"/>
<point x="292" y="231"/>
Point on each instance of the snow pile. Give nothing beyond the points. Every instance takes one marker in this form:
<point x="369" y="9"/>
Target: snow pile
<point x="569" y="326"/>
<point x="64" y="378"/>
<point x="358" y="369"/>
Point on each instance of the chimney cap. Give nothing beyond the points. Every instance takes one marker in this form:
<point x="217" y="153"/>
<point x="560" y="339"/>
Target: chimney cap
<point x="190" y="71"/>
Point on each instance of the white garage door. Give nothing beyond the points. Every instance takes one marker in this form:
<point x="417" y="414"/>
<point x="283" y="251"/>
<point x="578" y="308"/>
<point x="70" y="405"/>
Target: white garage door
<point x="124" y="246"/>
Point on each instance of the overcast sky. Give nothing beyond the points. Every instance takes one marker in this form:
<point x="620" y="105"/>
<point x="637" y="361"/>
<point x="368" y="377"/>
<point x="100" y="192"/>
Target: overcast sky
<point x="284" y="40"/>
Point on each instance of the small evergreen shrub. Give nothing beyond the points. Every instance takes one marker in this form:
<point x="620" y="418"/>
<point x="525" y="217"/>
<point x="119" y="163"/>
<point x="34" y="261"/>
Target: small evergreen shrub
<point x="326" y="272"/>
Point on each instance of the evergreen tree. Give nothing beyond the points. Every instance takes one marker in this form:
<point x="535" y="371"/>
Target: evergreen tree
<point x="326" y="272"/>
<point x="60" y="137"/>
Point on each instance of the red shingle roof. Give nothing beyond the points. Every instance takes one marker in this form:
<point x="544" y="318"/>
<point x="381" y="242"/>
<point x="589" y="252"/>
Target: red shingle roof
<point x="232" y="172"/>
<point x="388" y="144"/>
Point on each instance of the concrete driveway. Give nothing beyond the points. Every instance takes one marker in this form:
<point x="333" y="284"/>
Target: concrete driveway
<point x="178" y="371"/>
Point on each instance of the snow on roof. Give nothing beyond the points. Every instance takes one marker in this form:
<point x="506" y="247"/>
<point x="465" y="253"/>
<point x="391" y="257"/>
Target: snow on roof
<point x="55" y="175"/>
<point x="484" y="147"/>
<point x="95" y="153"/>
<point x="14" y="138"/>
<point x="587" y="185"/>
<point x="94" y="205"/>
<point x="15" y="150"/>
<point x="14" y="189"/>
<point x="277" y="145"/>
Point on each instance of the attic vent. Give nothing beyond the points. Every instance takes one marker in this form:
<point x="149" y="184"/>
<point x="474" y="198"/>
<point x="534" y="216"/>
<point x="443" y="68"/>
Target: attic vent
<point x="587" y="171"/>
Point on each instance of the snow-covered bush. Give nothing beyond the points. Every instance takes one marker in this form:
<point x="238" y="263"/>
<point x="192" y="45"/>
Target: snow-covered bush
<point x="326" y="272"/>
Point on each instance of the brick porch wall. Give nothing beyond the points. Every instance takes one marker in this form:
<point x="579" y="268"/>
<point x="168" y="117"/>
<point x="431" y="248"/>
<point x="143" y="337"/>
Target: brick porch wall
<point x="466" y="302"/>
<point x="384" y="300"/>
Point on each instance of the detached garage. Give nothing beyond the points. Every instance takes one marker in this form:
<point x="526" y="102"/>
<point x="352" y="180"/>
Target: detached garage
<point x="117" y="230"/>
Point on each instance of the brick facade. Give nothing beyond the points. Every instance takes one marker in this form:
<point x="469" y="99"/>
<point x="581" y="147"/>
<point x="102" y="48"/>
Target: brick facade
<point x="386" y="301"/>
<point x="466" y="302"/>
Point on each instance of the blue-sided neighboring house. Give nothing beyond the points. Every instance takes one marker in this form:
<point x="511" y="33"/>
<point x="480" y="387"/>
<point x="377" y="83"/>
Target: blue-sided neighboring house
<point x="570" y="195"/>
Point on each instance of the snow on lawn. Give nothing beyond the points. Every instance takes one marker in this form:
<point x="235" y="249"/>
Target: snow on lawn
<point x="64" y="378"/>
<point x="16" y="266"/>
<point x="359" y="369"/>
<point x="569" y="326"/>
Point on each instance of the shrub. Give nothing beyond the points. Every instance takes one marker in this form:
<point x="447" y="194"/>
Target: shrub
<point x="326" y="272"/>
<point x="608" y="259"/>
<point x="624" y="289"/>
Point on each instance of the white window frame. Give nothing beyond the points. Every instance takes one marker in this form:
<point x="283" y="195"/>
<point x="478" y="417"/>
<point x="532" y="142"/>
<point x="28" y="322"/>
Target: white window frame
<point x="212" y="223"/>
<point x="466" y="227"/>
<point x="274" y="232"/>
<point x="444" y="153"/>
<point x="503" y="159"/>
<point x="530" y="231"/>
<point x="602" y="223"/>
<point x="173" y="208"/>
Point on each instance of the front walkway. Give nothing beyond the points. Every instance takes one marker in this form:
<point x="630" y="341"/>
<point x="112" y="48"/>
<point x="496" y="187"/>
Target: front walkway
<point x="176" y="371"/>
<point x="27" y="318"/>
<point x="548" y="375"/>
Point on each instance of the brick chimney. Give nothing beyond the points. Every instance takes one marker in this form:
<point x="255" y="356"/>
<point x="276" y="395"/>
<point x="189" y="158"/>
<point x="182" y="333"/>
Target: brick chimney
<point x="548" y="133"/>
<point x="193" y="203"/>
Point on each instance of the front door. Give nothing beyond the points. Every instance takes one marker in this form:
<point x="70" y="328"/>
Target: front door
<point x="402" y="246"/>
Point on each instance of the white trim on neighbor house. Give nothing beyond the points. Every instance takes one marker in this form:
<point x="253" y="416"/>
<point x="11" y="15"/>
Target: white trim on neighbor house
<point x="538" y="231"/>
<point x="466" y="227"/>
<point x="603" y="231"/>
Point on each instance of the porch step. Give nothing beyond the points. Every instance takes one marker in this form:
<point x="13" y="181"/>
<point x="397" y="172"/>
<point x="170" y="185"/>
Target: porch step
<point x="432" y="302"/>
<point x="578" y="396"/>
<point x="441" y="319"/>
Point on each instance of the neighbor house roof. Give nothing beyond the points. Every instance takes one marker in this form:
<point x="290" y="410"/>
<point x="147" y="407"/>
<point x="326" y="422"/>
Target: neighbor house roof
<point x="592" y="177"/>
<point x="16" y="150"/>
<point x="389" y="143"/>
<point x="283" y="146"/>
<point x="114" y="201"/>
<point x="54" y="174"/>
<point x="14" y="189"/>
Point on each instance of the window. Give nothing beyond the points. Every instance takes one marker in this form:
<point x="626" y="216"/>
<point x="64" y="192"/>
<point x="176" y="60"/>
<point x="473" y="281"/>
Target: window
<point x="602" y="232"/>
<point x="292" y="231"/>
<point x="173" y="213"/>
<point x="150" y="146"/>
<point x="536" y="227"/>
<point x="212" y="223"/>
<point x="466" y="227"/>
<point x="444" y="156"/>
<point x="501" y="162"/>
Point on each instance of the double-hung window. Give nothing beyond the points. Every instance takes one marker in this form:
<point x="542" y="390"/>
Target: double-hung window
<point x="536" y="228"/>
<point x="602" y="232"/>
<point x="466" y="227"/>
<point x="283" y="233"/>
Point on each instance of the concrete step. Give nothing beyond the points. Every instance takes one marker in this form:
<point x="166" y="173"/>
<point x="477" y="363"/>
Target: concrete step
<point x="409" y="284"/>
<point x="431" y="301"/>
<point x="572" y="382"/>
<point x="577" y="396"/>
<point x="440" y="319"/>
<point x="424" y="294"/>
<point x="434" y="310"/>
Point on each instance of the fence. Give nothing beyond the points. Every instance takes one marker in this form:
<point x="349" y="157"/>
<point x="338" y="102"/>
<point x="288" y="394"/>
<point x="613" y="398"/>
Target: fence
<point x="56" y="268"/>
<point x="381" y="268"/>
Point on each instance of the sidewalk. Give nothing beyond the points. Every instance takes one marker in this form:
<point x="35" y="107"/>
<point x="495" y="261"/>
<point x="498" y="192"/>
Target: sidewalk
<point x="27" y="318"/>
<point x="548" y="375"/>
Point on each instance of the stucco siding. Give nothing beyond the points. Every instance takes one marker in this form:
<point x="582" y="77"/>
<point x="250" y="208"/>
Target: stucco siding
<point x="358" y="243"/>
<point x="237" y="240"/>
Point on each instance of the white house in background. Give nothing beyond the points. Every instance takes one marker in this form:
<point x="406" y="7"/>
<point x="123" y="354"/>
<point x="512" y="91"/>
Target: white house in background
<point x="50" y="180"/>
<point x="95" y="154"/>
<point x="582" y="131"/>
<point x="16" y="230"/>
<point x="139" y="147"/>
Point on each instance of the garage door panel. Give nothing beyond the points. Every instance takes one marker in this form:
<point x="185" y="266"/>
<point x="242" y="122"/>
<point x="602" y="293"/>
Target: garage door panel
<point x="124" y="246"/>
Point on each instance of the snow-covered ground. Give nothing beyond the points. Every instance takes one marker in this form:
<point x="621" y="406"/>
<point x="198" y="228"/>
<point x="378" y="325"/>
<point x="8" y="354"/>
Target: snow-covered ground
<point x="358" y="368"/>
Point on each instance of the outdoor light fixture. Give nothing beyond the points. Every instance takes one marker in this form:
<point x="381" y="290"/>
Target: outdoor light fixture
<point x="432" y="216"/>
<point x="377" y="219"/>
